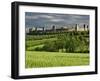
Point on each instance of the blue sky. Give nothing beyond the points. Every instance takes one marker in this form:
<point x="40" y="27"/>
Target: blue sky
<point x="42" y="19"/>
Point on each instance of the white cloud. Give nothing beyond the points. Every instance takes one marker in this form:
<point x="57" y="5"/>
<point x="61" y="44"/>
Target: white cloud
<point x="46" y="16"/>
<point x="39" y="16"/>
<point x="57" y="20"/>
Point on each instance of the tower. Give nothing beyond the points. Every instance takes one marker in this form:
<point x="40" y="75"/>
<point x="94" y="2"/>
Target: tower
<point x="35" y="28"/>
<point x="43" y="29"/>
<point x="76" y="27"/>
<point x="53" y="28"/>
<point x="84" y="27"/>
<point x="87" y="27"/>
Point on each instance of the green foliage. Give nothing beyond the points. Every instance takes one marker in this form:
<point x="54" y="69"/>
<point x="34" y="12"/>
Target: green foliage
<point x="74" y="42"/>
<point x="57" y="49"/>
<point x="50" y="46"/>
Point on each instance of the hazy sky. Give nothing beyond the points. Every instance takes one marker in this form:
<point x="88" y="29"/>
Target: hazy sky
<point x="42" y="19"/>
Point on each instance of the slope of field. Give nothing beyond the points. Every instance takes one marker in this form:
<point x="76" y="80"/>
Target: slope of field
<point x="36" y="59"/>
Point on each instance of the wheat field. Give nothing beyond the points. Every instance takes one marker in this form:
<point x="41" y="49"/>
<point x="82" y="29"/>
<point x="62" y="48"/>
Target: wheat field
<point x="38" y="59"/>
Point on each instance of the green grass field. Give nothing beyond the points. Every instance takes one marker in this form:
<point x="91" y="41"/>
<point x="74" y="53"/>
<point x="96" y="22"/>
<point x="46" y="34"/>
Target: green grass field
<point x="36" y="59"/>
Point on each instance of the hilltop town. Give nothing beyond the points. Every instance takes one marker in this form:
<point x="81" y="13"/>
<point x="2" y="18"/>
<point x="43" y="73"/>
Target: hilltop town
<point x="55" y="28"/>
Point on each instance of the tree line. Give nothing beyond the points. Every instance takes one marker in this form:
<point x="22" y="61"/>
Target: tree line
<point x="75" y="42"/>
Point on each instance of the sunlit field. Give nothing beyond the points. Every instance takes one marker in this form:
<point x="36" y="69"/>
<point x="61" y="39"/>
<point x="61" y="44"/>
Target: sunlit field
<point x="36" y="59"/>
